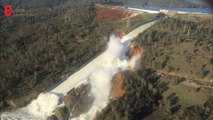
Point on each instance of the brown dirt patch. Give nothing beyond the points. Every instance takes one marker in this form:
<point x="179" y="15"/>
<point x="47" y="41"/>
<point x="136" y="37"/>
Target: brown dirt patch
<point x="121" y="34"/>
<point x="113" y="14"/>
<point x="117" y="90"/>
<point x="135" y="50"/>
<point x="117" y="84"/>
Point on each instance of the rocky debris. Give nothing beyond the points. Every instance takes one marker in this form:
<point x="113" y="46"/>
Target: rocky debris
<point x="62" y="113"/>
<point x="70" y="99"/>
<point x="84" y="102"/>
<point x="77" y="101"/>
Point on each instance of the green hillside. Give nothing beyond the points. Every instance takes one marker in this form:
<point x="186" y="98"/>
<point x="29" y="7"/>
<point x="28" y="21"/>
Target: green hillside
<point x="181" y="45"/>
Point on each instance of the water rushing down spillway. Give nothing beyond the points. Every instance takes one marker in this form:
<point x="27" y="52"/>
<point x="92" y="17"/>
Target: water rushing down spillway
<point x="98" y="73"/>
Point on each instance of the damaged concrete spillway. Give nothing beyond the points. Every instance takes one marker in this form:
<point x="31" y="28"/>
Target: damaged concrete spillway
<point x="98" y="73"/>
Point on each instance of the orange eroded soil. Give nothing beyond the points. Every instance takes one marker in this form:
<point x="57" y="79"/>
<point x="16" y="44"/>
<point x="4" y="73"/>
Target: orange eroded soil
<point x="135" y="50"/>
<point x="117" y="90"/>
<point x="117" y="83"/>
<point x="121" y="34"/>
<point x="113" y="14"/>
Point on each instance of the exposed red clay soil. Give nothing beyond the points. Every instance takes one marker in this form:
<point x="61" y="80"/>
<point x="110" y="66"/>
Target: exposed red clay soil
<point x="121" y="34"/>
<point x="135" y="50"/>
<point x="117" y="90"/>
<point x="113" y="14"/>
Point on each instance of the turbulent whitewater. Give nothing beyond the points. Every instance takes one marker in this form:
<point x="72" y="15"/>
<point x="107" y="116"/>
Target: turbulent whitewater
<point x="114" y="60"/>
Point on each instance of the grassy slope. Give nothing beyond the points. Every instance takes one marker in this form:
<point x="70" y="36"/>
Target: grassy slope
<point x="181" y="45"/>
<point x="176" y="97"/>
<point x="187" y="96"/>
<point x="166" y="41"/>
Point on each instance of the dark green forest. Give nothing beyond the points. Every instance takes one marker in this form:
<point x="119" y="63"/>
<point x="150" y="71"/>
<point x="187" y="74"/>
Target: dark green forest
<point x="41" y="47"/>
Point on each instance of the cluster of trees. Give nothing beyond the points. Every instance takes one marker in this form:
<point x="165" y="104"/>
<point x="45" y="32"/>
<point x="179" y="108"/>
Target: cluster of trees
<point x="41" y="45"/>
<point x="144" y="95"/>
<point x="143" y="92"/>
<point x="178" y="44"/>
<point x="195" y="112"/>
<point x="163" y="42"/>
<point x="203" y="112"/>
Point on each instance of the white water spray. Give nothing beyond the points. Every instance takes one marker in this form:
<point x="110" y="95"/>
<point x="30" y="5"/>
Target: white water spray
<point x="135" y="62"/>
<point x="114" y="60"/>
<point x="38" y="109"/>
